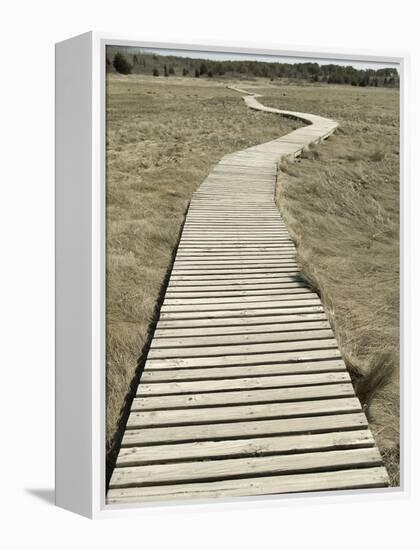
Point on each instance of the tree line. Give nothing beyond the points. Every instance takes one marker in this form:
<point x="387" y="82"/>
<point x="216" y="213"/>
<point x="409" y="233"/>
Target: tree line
<point x="127" y="61"/>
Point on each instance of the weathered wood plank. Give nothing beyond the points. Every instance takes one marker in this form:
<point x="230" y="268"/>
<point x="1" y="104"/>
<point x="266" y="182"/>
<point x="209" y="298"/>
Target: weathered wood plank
<point x="200" y="332"/>
<point x="208" y="273"/>
<point x="242" y="412"/>
<point x="260" y="446"/>
<point x="243" y="321"/>
<point x="276" y="281"/>
<point x="263" y="337"/>
<point x="246" y="359"/>
<point x="227" y="248"/>
<point x="236" y="260"/>
<point x="292" y="356"/>
<point x="252" y="371"/>
<point x="286" y="298"/>
<point x="281" y="309"/>
<point x="240" y="397"/>
<point x="239" y="467"/>
<point x="256" y="382"/>
<point x="231" y="278"/>
<point x="277" y="265"/>
<point x="320" y="481"/>
<point x="191" y="295"/>
<point x="242" y="349"/>
<point x="254" y="428"/>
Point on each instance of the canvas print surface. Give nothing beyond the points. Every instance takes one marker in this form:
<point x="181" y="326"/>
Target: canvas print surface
<point x="252" y="309"/>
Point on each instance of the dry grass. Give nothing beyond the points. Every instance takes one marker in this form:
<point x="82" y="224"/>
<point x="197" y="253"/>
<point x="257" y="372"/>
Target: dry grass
<point x="163" y="137"/>
<point x="341" y="204"/>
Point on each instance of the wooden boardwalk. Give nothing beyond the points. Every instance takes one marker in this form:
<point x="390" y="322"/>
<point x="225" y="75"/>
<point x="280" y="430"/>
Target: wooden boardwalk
<point x="244" y="391"/>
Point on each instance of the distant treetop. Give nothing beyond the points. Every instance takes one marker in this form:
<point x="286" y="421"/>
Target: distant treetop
<point x="127" y="60"/>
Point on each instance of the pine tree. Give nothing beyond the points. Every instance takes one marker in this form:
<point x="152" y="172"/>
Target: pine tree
<point x="121" y="64"/>
<point x="203" y="68"/>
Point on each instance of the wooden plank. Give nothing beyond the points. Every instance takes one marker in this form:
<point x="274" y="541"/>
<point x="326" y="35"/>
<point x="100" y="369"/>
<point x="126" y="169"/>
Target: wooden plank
<point x="242" y="412"/>
<point x="234" y="228"/>
<point x="201" y="206"/>
<point x="213" y="373"/>
<point x="204" y="218"/>
<point x="233" y="267"/>
<point x="287" y="297"/>
<point x="237" y="360"/>
<point x="276" y="281"/>
<point x="191" y="295"/>
<point x="234" y="222"/>
<point x="211" y="260"/>
<point x="242" y="321"/>
<point x="241" y="212"/>
<point x="234" y="242"/>
<point x="320" y="481"/>
<point x="197" y="267"/>
<point x="233" y="238"/>
<point x="260" y="446"/>
<point x="233" y="271"/>
<point x="226" y="253"/>
<point x="194" y="253"/>
<point x="240" y="303"/>
<point x="208" y="340"/>
<point x="228" y="245"/>
<point x="257" y="382"/>
<point x="233" y="257"/>
<point x="205" y="215"/>
<point x="240" y="467"/>
<point x="197" y="219"/>
<point x="241" y="330"/>
<point x="240" y="397"/>
<point x="226" y="249"/>
<point x="232" y="279"/>
<point x="248" y="312"/>
<point x="268" y="217"/>
<point x="242" y="349"/>
<point x="234" y="232"/>
<point x="235" y="430"/>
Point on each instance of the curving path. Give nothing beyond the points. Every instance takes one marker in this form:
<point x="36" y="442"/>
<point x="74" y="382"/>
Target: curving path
<point x="244" y="391"/>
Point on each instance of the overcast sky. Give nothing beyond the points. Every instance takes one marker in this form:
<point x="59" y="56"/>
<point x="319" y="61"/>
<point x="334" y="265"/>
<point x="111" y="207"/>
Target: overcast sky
<point x="269" y="58"/>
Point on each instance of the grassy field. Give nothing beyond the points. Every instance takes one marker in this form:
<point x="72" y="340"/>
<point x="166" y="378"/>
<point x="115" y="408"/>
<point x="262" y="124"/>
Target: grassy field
<point x="340" y="202"/>
<point x="163" y="137"/>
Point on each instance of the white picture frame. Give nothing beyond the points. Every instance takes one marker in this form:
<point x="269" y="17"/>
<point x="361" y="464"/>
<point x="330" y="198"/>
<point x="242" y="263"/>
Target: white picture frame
<point x="80" y="268"/>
